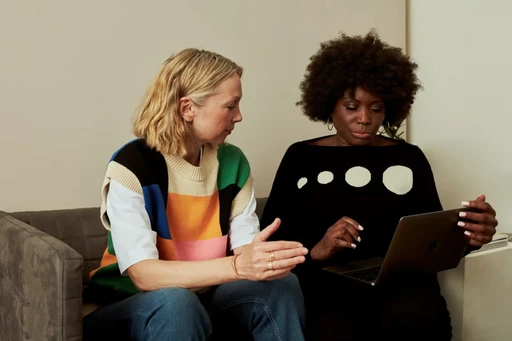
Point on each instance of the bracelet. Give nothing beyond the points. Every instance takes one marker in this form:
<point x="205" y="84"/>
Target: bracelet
<point x="233" y="264"/>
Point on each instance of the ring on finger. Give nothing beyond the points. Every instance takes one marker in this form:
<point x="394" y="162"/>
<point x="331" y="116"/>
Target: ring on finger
<point x="272" y="256"/>
<point x="270" y="265"/>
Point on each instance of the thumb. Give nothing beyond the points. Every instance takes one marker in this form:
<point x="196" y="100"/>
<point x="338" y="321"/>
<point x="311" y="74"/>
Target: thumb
<point x="481" y="197"/>
<point x="269" y="230"/>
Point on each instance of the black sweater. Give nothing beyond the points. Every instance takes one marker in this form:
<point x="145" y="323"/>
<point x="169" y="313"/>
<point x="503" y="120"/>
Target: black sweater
<point x="315" y="186"/>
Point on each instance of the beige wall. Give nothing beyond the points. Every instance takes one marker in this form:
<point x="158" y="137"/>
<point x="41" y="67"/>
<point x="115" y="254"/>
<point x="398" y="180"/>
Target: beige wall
<point x="463" y="118"/>
<point x="72" y="73"/>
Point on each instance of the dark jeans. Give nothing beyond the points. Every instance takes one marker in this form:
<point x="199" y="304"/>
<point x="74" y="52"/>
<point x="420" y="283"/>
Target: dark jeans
<point x="271" y="310"/>
<point x="408" y="308"/>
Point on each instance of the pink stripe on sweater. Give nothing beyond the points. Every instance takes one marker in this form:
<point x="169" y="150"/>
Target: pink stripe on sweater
<point x="200" y="249"/>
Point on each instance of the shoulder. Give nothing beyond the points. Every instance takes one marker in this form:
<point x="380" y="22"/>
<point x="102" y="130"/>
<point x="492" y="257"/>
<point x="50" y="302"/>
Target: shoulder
<point x="300" y="147"/>
<point x="228" y="150"/>
<point x="230" y="154"/>
<point x="136" y="160"/>
<point x="411" y="150"/>
<point x="414" y="157"/>
<point x="234" y="167"/>
<point x="134" y="152"/>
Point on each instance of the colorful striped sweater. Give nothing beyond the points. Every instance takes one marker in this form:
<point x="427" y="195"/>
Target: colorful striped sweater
<point x="190" y="208"/>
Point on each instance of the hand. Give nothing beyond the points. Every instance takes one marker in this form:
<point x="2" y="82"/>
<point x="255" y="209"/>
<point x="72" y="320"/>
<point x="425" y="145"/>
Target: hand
<point x="482" y="226"/>
<point x="343" y="234"/>
<point x="262" y="260"/>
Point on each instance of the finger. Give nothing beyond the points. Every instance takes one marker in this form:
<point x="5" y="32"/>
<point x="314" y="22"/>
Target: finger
<point x="481" y="197"/>
<point x="480" y="238"/>
<point x="344" y="243"/>
<point x="473" y="242"/>
<point x="278" y="245"/>
<point x="483" y="218"/>
<point x="480" y="205"/>
<point x="290" y="253"/>
<point x="287" y="263"/>
<point x="269" y="230"/>
<point x="352" y="232"/>
<point x="353" y="223"/>
<point x="476" y="228"/>
<point x="270" y="276"/>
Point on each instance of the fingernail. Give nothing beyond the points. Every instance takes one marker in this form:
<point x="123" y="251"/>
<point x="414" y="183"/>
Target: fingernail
<point x="461" y="224"/>
<point x="353" y="246"/>
<point x="467" y="233"/>
<point x="359" y="239"/>
<point x="462" y="214"/>
<point x="465" y="203"/>
<point x="360" y="228"/>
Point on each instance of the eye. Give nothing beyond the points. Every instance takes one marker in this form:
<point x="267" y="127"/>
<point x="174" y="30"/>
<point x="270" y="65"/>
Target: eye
<point x="231" y="107"/>
<point x="351" y="108"/>
<point x="376" y="109"/>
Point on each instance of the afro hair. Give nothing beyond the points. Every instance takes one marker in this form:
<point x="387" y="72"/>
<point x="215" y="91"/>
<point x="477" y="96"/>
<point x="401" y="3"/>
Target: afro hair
<point x="367" y="62"/>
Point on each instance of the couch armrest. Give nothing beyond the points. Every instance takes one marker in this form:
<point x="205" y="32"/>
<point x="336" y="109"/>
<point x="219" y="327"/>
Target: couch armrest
<point x="40" y="285"/>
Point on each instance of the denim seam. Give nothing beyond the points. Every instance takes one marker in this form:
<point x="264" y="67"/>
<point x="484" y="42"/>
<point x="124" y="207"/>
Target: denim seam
<point x="267" y="311"/>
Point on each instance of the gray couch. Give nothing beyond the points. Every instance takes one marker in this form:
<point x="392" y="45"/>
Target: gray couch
<point x="45" y="259"/>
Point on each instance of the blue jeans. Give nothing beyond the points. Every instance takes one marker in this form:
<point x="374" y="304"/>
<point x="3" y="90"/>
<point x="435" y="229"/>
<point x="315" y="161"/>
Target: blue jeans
<point x="272" y="310"/>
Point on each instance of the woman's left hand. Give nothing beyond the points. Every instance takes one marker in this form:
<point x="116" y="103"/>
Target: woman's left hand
<point x="482" y="225"/>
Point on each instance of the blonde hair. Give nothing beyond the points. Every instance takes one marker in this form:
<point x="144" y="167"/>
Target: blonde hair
<point x="193" y="73"/>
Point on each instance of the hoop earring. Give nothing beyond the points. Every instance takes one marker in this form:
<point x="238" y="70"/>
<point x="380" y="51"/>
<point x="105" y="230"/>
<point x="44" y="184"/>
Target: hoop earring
<point x="330" y="125"/>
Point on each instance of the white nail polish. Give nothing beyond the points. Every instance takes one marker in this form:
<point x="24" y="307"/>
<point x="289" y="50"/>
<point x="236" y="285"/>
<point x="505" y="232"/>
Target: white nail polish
<point x="465" y="203"/>
<point x="360" y="228"/>
<point x="461" y="224"/>
<point x="359" y="239"/>
<point x="353" y="246"/>
<point x="467" y="233"/>
<point x="462" y="214"/>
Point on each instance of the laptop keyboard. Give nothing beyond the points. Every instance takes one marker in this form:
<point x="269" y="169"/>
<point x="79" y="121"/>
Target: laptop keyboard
<point x="365" y="275"/>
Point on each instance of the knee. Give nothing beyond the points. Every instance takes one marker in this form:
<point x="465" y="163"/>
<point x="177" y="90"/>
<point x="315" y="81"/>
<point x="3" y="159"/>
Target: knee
<point x="288" y="290"/>
<point x="427" y="318"/>
<point x="177" y="300"/>
<point x="182" y="307"/>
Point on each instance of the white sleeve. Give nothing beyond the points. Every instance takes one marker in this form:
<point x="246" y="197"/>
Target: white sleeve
<point x="244" y="226"/>
<point x="133" y="239"/>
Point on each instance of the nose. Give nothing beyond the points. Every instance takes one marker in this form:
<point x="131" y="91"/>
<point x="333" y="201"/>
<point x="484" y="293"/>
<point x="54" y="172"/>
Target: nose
<point x="238" y="117"/>
<point x="364" y="116"/>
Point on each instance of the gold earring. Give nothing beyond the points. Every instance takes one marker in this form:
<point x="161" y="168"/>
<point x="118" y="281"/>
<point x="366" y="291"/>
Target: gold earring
<point x="330" y="125"/>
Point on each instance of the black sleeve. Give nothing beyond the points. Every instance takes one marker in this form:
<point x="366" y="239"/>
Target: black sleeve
<point x="428" y="196"/>
<point x="430" y="199"/>
<point x="280" y="201"/>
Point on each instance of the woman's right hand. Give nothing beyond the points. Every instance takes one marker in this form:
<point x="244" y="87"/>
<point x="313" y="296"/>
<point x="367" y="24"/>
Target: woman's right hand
<point x="262" y="260"/>
<point x="343" y="234"/>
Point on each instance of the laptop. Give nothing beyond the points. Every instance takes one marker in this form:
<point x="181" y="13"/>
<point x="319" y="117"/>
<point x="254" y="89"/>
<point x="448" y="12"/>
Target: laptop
<point x="425" y="243"/>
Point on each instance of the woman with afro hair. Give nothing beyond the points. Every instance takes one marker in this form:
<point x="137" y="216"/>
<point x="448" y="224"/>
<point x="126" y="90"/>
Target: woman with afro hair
<point x="342" y="195"/>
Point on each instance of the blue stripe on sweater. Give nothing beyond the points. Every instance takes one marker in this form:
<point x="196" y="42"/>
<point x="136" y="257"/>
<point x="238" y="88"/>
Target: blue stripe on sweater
<point x="155" y="205"/>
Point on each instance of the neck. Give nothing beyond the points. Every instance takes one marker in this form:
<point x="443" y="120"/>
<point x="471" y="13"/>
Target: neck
<point x="193" y="155"/>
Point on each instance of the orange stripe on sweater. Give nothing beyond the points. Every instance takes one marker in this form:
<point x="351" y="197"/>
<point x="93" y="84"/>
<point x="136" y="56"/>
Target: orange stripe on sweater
<point x="107" y="259"/>
<point x="193" y="218"/>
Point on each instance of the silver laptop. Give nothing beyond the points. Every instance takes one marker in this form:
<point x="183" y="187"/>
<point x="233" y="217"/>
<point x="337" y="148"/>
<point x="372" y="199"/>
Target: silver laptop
<point x="425" y="243"/>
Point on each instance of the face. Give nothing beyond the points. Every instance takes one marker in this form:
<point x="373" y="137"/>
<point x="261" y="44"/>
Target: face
<point x="357" y="117"/>
<point x="216" y="118"/>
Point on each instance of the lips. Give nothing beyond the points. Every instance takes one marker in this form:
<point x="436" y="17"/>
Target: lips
<point x="362" y="134"/>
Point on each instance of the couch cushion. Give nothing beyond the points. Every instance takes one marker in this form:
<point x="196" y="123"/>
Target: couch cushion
<point x="79" y="228"/>
<point x="40" y="291"/>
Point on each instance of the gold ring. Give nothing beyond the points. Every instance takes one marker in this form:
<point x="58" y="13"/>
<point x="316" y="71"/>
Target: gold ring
<point x="270" y="265"/>
<point x="272" y="256"/>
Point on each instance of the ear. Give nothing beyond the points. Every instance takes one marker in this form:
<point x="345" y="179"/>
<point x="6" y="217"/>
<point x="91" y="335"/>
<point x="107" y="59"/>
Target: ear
<point x="186" y="108"/>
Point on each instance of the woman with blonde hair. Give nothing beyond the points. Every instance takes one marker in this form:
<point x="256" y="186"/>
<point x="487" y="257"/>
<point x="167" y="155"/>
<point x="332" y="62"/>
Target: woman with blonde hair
<point x="185" y="259"/>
